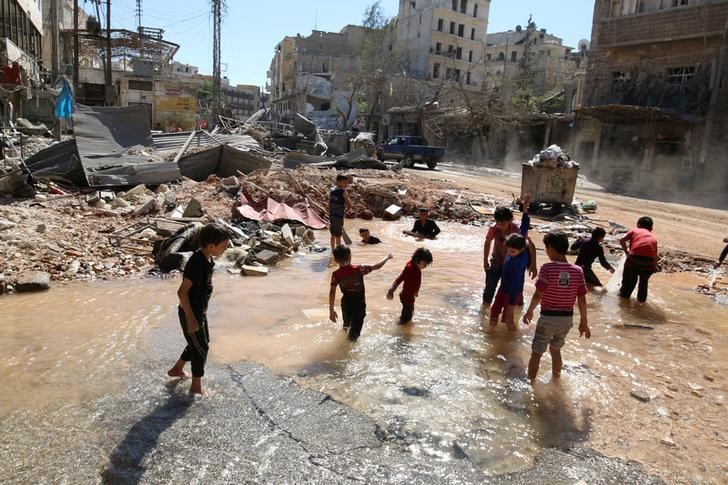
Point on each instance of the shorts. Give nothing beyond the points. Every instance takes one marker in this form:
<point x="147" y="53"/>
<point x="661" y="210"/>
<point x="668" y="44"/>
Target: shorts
<point x="551" y="332"/>
<point x="336" y="226"/>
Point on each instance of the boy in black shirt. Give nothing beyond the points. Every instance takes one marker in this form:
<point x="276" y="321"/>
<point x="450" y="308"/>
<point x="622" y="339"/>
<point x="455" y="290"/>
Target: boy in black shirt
<point x="194" y="294"/>
<point x="367" y="238"/>
<point x="590" y="250"/>
<point x="424" y="226"/>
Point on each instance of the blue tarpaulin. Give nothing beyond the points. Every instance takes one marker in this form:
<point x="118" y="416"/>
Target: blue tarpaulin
<point x="64" y="104"/>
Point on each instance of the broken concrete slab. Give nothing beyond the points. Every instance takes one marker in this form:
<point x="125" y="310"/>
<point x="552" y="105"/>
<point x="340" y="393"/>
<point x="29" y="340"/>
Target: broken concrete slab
<point x="152" y="205"/>
<point x="138" y="191"/>
<point x="267" y="257"/>
<point x="287" y="234"/>
<point x="35" y="281"/>
<point x="193" y="209"/>
<point x="254" y="271"/>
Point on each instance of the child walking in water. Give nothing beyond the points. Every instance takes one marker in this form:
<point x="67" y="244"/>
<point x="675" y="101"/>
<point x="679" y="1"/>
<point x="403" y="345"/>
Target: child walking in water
<point x="641" y="260"/>
<point x="412" y="278"/>
<point x="194" y="295"/>
<point x="559" y="285"/>
<point x="350" y="278"/>
<point x="590" y="250"/>
<point x="338" y="204"/>
<point x="516" y="263"/>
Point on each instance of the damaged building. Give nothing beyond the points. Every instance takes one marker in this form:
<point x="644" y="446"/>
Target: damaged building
<point x="653" y="119"/>
<point x="313" y="76"/>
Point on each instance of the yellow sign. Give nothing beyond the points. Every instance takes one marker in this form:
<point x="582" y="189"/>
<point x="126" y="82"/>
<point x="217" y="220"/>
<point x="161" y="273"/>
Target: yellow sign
<point x="176" y="104"/>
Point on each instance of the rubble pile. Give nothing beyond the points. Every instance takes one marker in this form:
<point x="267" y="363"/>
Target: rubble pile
<point x="552" y="157"/>
<point x="371" y="193"/>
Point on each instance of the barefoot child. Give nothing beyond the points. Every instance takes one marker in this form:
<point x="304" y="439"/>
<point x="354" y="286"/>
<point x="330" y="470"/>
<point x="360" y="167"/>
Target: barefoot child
<point x="590" y="250"/>
<point x="367" y="238"/>
<point x="350" y="278"/>
<point x="496" y="238"/>
<point x="338" y="203"/>
<point x="424" y="227"/>
<point x="412" y="278"/>
<point x="194" y="294"/>
<point x="517" y="261"/>
<point x="559" y="285"/>
<point x="641" y="259"/>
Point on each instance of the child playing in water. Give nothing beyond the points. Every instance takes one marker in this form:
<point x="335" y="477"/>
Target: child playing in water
<point x="412" y="278"/>
<point x="338" y="203"/>
<point x="590" y="250"/>
<point x="559" y="285"/>
<point x="367" y="238"/>
<point x="350" y="278"/>
<point x="194" y="295"/>
<point x="513" y="275"/>
<point x="424" y="227"/>
<point x="496" y="237"/>
<point x="641" y="260"/>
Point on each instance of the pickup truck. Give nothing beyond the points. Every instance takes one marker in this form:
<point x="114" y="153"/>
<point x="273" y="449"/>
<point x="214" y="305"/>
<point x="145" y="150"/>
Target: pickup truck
<point x="410" y="149"/>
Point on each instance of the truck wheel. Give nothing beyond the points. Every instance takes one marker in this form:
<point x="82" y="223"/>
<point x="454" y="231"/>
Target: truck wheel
<point x="431" y="164"/>
<point x="409" y="161"/>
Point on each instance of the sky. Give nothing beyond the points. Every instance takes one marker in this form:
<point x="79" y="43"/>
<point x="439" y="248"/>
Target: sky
<point x="251" y="30"/>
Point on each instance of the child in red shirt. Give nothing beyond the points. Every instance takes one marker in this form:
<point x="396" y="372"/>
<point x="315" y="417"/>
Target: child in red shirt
<point x="412" y="278"/>
<point x="559" y="285"/>
<point x="350" y="278"/>
<point x="641" y="260"/>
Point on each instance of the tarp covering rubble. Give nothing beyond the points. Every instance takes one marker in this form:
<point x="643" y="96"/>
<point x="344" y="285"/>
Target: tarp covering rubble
<point x="273" y="211"/>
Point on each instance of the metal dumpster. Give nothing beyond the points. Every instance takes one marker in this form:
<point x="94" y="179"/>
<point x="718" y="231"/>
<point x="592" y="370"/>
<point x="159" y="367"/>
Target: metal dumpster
<point x="549" y="185"/>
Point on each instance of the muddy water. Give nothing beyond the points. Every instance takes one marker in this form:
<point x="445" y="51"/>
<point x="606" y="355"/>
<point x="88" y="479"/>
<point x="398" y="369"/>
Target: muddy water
<point x="440" y="386"/>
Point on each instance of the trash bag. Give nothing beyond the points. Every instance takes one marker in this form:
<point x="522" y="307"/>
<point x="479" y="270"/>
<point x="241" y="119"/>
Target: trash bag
<point x="64" y="103"/>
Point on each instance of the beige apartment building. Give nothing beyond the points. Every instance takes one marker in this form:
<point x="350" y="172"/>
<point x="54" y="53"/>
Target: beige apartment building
<point x="444" y="39"/>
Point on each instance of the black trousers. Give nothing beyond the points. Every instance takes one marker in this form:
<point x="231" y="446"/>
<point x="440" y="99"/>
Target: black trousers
<point x="353" y="311"/>
<point x="590" y="277"/>
<point x="408" y="309"/>
<point x="634" y="275"/>
<point x="492" y="277"/>
<point x="198" y="344"/>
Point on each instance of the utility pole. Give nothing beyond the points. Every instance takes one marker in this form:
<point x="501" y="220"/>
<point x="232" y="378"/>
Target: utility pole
<point x="216" y="73"/>
<point x="55" y="40"/>
<point x="75" y="45"/>
<point x="139" y="15"/>
<point x="109" y="82"/>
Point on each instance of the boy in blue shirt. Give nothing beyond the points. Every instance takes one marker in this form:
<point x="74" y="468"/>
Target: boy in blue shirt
<point x="516" y="263"/>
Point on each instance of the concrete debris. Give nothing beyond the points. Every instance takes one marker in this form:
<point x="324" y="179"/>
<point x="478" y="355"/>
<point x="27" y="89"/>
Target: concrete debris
<point x="267" y="257"/>
<point x="254" y="271"/>
<point x="35" y="281"/>
<point x="193" y="209"/>
<point x="640" y="395"/>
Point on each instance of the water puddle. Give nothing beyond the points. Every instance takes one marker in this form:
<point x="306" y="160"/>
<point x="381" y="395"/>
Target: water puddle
<point x="440" y="387"/>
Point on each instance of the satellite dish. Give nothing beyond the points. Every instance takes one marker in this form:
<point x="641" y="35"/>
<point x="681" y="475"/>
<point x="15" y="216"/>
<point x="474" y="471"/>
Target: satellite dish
<point x="584" y="45"/>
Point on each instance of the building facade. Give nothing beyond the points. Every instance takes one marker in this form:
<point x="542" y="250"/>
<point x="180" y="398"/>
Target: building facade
<point x="242" y="100"/>
<point x="529" y="52"/>
<point x="654" y="116"/>
<point x="443" y="39"/>
<point x="21" y="28"/>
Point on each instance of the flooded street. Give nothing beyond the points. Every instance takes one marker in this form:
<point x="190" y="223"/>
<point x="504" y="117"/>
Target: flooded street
<point x="440" y="387"/>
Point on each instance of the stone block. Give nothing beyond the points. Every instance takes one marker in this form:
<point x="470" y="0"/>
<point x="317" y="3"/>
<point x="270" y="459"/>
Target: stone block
<point x="35" y="281"/>
<point x="255" y="271"/>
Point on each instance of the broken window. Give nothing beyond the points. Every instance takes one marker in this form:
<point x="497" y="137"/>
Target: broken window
<point x="472" y="34"/>
<point x="475" y="10"/>
<point x="619" y="78"/>
<point x="514" y="56"/>
<point x="501" y="56"/>
<point x="461" y="30"/>
<point x="680" y="76"/>
<point x="439" y="25"/>
<point x="436" y="70"/>
<point x="470" y="56"/>
<point x="456" y="74"/>
<point x="452" y="28"/>
<point x="459" y="53"/>
<point x="455" y="5"/>
<point x="488" y="57"/>
<point x="448" y="73"/>
<point x="463" y="6"/>
<point x="467" y="77"/>
<point x="438" y="48"/>
<point x="450" y="50"/>
<point x="325" y="66"/>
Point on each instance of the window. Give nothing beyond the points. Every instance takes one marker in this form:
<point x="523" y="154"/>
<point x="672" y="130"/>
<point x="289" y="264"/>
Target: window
<point x="463" y="6"/>
<point x="461" y="30"/>
<point x="438" y="48"/>
<point x="439" y="25"/>
<point x="680" y="76"/>
<point x="452" y="27"/>
<point x="325" y="66"/>
<point x="456" y="74"/>
<point x="475" y="10"/>
<point x="470" y="56"/>
<point x="501" y="56"/>
<point x="450" y="50"/>
<point x="619" y="79"/>
<point x="488" y="57"/>
<point x="436" y="70"/>
<point x="514" y="56"/>
<point x="459" y="53"/>
<point x="141" y="85"/>
<point x="455" y="5"/>
<point x="467" y="77"/>
<point x="472" y="34"/>
<point x="448" y="73"/>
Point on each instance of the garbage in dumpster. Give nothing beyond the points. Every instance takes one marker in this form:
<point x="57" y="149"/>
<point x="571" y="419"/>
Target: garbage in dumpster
<point x="553" y="156"/>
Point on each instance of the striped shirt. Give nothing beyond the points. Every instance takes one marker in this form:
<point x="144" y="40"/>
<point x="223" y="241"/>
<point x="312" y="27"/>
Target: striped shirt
<point x="560" y="284"/>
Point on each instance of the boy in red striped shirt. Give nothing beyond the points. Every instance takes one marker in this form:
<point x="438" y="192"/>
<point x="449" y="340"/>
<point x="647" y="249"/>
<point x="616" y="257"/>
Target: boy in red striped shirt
<point x="559" y="285"/>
